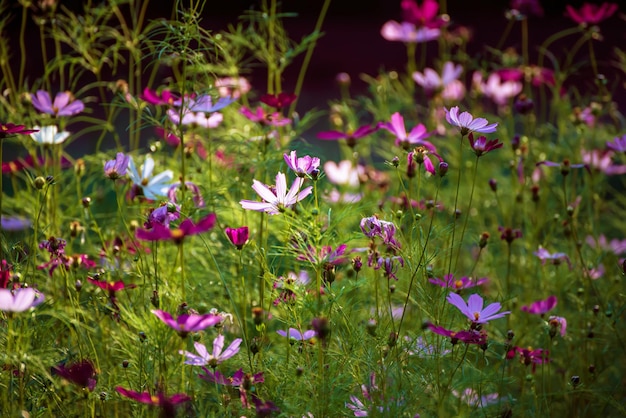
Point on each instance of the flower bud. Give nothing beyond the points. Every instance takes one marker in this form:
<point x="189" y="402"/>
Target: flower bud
<point x="443" y="168"/>
<point x="493" y="184"/>
<point x="39" y="182"/>
<point x="86" y="202"/>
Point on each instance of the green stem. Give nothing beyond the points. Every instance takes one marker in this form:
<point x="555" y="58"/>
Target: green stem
<point x="467" y="215"/>
<point x="456" y="202"/>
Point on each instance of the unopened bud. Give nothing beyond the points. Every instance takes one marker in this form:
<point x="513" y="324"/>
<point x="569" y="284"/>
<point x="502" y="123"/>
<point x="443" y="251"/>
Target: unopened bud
<point x="39" y="182"/>
<point x="493" y="184"/>
<point x="86" y="202"/>
<point x="443" y="168"/>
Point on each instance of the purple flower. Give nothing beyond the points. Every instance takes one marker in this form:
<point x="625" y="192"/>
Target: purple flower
<point x="82" y="374"/>
<point x="166" y="403"/>
<point x="447" y="84"/>
<point x="556" y="258"/>
<point x="187" y="323"/>
<point x="591" y="14"/>
<point x="216" y="357"/>
<point x="557" y="323"/>
<point x="467" y="123"/>
<point x="349" y="136"/>
<point x="264" y="409"/>
<point x="602" y="160"/>
<point x="407" y="32"/>
<point x="450" y="282"/>
<point x="468" y="337"/>
<point x="13" y="223"/>
<point x="471" y="398"/>
<point x="161" y="232"/>
<point x="618" y="144"/>
<point x="192" y="187"/>
<point x="498" y="90"/>
<point x="527" y="7"/>
<point x="64" y="103"/>
<point x="276" y="202"/>
<point x="114" y="169"/>
<point x="163" y="215"/>
<point x="297" y="335"/>
<point x="415" y="137"/>
<point x="529" y="356"/>
<point x="238" y="379"/>
<point x="426" y="15"/>
<point x="275" y="119"/>
<point x="19" y="300"/>
<point x="301" y="166"/>
<point x="482" y="146"/>
<point x="473" y="309"/>
<point x="203" y="103"/>
<point x="509" y="234"/>
<point x="199" y="119"/>
<point x="238" y="236"/>
<point x="389" y="266"/>
<point x="540" y="307"/>
<point x="374" y="227"/>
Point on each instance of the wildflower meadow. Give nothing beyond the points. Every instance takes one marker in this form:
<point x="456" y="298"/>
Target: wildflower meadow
<point x="183" y="236"/>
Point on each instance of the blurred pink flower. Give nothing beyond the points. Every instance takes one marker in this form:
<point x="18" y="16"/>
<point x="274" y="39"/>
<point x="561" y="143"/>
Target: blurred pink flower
<point x="498" y="90"/>
<point x="408" y="32"/>
<point x="426" y="15"/>
<point x="601" y="160"/>
<point x="417" y="135"/>
<point x="540" y="307"/>
<point x="342" y="174"/>
<point x="591" y="14"/>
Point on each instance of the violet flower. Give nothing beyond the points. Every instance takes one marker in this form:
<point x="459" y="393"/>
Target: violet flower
<point x="473" y="309"/>
<point x="482" y="146"/>
<point x="540" y="307"/>
<point x="187" y="227"/>
<point x="238" y="236"/>
<point x="192" y="187"/>
<point x="82" y="373"/>
<point x="467" y="123"/>
<point x="557" y="323"/>
<point x="389" y="266"/>
<point x="303" y="166"/>
<point x="618" y="144"/>
<point x="446" y="84"/>
<point x="591" y="14"/>
<point x="163" y="215"/>
<point x="19" y="300"/>
<point x="350" y="136"/>
<point x="556" y="258"/>
<point x="199" y="119"/>
<point x="468" y="337"/>
<point x="64" y="103"/>
<point x="450" y="282"/>
<point x="202" y="103"/>
<point x="152" y="187"/>
<point x="415" y="137"/>
<point x="218" y="355"/>
<point x="14" y="223"/>
<point x="408" y="33"/>
<point x="419" y="347"/>
<point x="187" y="323"/>
<point x="114" y="169"/>
<point x="275" y="202"/>
<point x="294" y="334"/>
<point x="167" y="404"/>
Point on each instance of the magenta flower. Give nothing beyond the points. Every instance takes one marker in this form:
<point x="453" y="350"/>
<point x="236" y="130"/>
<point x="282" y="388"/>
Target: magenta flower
<point x="618" y="144"/>
<point x="10" y="129"/>
<point x="262" y="117"/>
<point x="482" y="146"/>
<point x="63" y="105"/>
<point x="509" y="234"/>
<point x="527" y="7"/>
<point x="473" y="309"/>
<point x="114" y="169"/>
<point x="468" y="337"/>
<point x="556" y="258"/>
<point x="557" y="323"/>
<point x="415" y="137"/>
<point x="165" y="97"/>
<point x="275" y="202"/>
<point x="218" y="355"/>
<point x="238" y="379"/>
<point x="529" y="356"/>
<point x="161" y="232"/>
<point x="294" y="334"/>
<point x="540" y="307"/>
<point x="82" y="373"/>
<point x="450" y="282"/>
<point x="19" y="300"/>
<point x="349" y="136"/>
<point x="238" y="236"/>
<point x="426" y="15"/>
<point x="111" y="287"/>
<point x="187" y="323"/>
<point x="591" y="14"/>
<point x="301" y="166"/>
<point x="167" y="404"/>
<point x="498" y="90"/>
<point x="278" y="101"/>
<point x="407" y="32"/>
<point x="420" y="156"/>
<point x="467" y="123"/>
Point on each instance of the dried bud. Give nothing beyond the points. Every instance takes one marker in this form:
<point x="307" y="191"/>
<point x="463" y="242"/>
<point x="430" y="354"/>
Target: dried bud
<point x="257" y="315"/>
<point x="534" y="190"/>
<point x="484" y="237"/>
<point x="393" y="339"/>
<point x="322" y="327"/>
<point x="343" y="79"/>
<point x="79" y="167"/>
<point x="493" y="184"/>
<point x="142" y="336"/>
<point x="371" y="327"/>
<point x="357" y="263"/>
<point x="154" y="299"/>
<point x="125" y="364"/>
<point x="395" y="162"/>
<point x="592" y="368"/>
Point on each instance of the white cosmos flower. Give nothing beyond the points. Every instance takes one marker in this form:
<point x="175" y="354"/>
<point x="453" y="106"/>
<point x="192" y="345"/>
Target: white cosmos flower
<point x="49" y="135"/>
<point x="152" y="186"/>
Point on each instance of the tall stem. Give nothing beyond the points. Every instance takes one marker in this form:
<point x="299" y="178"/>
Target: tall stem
<point x="467" y="215"/>
<point x="456" y="201"/>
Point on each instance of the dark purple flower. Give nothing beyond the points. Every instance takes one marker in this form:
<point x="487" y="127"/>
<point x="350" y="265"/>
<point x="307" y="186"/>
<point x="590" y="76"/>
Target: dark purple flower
<point x="167" y="404"/>
<point x="473" y="309"/>
<point x="10" y="129"/>
<point x="349" y="136"/>
<point x="540" y="307"/>
<point x="187" y="323"/>
<point x="529" y="356"/>
<point x="297" y="335"/>
<point x="82" y="373"/>
<point x="278" y="101"/>
<point x="591" y="14"/>
<point x="389" y="266"/>
<point x="114" y="169"/>
<point x="187" y="227"/>
<point x="238" y="236"/>
<point x="64" y="103"/>
<point x="301" y="166"/>
<point x="509" y="234"/>
<point x="450" y="282"/>
<point x="482" y="146"/>
<point x="527" y="7"/>
<point x="264" y="409"/>
<point x="468" y="337"/>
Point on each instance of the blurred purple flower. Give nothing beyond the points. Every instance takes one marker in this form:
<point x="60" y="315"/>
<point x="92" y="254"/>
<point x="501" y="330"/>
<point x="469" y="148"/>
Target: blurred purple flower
<point x="218" y="355"/>
<point x="14" y="223"/>
<point x="407" y="32"/>
<point x="556" y="258"/>
<point x="473" y="309"/>
<point x="482" y="146"/>
<point x="10" y="129"/>
<point x="297" y="335"/>
<point x="161" y="232"/>
<point x="540" y="307"/>
<point x="262" y="117"/>
<point x="529" y="356"/>
<point x="618" y="144"/>
<point x="450" y="282"/>
<point x="343" y="173"/>
<point x="199" y="119"/>
<point x="591" y="14"/>
<point x="447" y="84"/>
<point x="527" y="7"/>
<point x="191" y="186"/>
<point x="187" y="323"/>
<point x="64" y="103"/>
<point x="19" y="300"/>
<point x="472" y="398"/>
<point x="349" y="136"/>
<point x="82" y="373"/>
<point x="557" y="323"/>
<point x="165" y="97"/>
<point x="468" y="337"/>
<point x="167" y="404"/>
<point x="602" y="160"/>
<point x="114" y="169"/>
<point x="278" y="101"/>
<point x="426" y="15"/>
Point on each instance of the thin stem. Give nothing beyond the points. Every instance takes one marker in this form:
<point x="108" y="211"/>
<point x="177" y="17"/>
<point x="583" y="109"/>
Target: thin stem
<point x="467" y="215"/>
<point x="456" y="202"/>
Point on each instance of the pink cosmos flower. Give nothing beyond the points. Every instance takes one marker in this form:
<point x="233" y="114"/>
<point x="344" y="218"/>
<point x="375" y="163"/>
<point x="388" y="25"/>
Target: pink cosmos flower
<point x="415" y="137"/>
<point x="343" y="173"/>
<point x="349" y="136"/>
<point x="301" y="166"/>
<point x="64" y="103"/>
<point x="165" y="97"/>
<point x="161" y="232"/>
<point x="467" y="123"/>
<point x="498" y="90"/>
<point x="19" y="300"/>
<point x="407" y="32"/>
<point x="450" y="282"/>
<point x="218" y="355"/>
<point x="232" y="86"/>
<point x="618" y="144"/>
<point x="199" y="119"/>
<point x="420" y="156"/>
<point x="615" y="245"/>
<point x="187" y="323"/>
<point x="167" y="404"/>
<point x="602" y="160"/>
<point x="114" y="169"/>
<point x="482" y="146"/>
<point x="472" y="398"/>
<point x="426" y="15"/>
<point x="468" y="337"/>
<point x="111" y="287"/>
<point x="473" y="309"/>
<point x="591" y="14"/>
<point x="294" y="334"/>
<point x="265" y="118"/>
<point x="447" y="84"/>
<point x="529" y="356"/>
<point x="540" y="307"/>
<point x="276" y="201"/>
<point x="557" y="323"/>
<point x="238" y="236"/>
